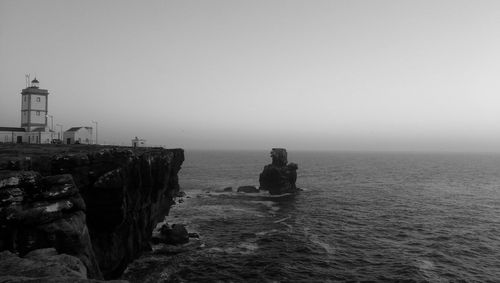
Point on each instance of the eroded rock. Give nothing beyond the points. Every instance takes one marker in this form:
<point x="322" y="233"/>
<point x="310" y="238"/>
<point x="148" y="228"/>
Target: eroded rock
<point x="175" y="235"/>
<point x="41" y="264"/>
<point x="279" y="177"/>
<point x="99" y="204"/>
<point x="39" y="212"/>
<point x="247" y="189"/>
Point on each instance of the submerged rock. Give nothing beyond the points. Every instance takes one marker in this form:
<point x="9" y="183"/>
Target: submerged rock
<point x="224" y="190"/>
<point x="279" y="177"/>
<point x="247" y="189"/>
<point x="194" y="235"/>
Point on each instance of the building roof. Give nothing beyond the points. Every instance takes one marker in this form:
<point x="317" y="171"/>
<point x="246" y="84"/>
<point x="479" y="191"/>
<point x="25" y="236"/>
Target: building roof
<point x="41" y="129"/>
<point x="34" y="90"/>
<point x="74" y="129"/>
<point x="12" y="129"/>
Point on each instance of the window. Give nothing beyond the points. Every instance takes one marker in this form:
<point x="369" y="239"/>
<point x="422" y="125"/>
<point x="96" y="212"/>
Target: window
<point x="38" y="99"/>
<point x="37" y="113"/>
<point x="25" y="99"/>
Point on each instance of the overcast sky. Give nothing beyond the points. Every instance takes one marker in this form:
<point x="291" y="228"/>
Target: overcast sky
<point x="340" y="75"/>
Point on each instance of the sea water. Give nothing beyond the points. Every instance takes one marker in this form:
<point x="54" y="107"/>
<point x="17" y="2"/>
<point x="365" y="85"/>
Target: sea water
<point x="361" y="216"/>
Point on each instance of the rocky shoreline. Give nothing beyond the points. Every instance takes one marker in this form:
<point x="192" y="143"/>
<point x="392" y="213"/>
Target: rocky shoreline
<point x="96" y="204"/>
<point x="78" y="213"/>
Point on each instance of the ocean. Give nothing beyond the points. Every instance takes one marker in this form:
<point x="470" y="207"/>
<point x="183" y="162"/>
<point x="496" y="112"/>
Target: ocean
<point x="361" y="216"/>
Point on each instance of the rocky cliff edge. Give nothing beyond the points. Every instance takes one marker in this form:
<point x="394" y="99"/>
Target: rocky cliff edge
<point x="98" y="204"/>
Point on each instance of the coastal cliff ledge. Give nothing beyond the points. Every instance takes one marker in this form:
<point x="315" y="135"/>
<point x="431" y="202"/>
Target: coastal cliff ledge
<point x="97" y="203"/>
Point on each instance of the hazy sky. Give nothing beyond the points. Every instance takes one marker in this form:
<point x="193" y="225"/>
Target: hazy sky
<point x="370" y="75"/>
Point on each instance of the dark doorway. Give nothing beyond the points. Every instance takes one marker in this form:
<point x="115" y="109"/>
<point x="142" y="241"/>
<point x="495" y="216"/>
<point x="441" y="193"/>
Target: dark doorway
<point x="68" y="140"/>
<point x="19" y="139"/>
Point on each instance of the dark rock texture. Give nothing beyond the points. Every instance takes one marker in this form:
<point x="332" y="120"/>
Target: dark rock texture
<point x="175" y="235"/>
<point x="99" y="204"/>
<point x="247" y="189"/>
<point x="279" y="177"/>
<point x="43" y="265"/>
<point x="39" y="212"/>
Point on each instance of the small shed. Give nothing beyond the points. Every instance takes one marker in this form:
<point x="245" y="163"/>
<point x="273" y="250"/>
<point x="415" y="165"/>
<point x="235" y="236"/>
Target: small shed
<point x="137" y="142"/>
<point x="78" y="135"/>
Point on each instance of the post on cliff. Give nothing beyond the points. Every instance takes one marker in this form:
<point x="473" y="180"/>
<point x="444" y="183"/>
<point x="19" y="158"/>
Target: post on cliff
<point x="279" y="177"/>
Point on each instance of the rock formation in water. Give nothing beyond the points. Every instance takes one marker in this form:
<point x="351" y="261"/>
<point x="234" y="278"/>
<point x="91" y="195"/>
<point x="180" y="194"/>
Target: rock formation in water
<point x="247" y="189"/>
<point x="279" y="177"/>
<point x="97" y="204"/>
<point x="176" y="234"/>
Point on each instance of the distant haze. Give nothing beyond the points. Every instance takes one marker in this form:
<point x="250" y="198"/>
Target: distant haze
<point x="331" y="75"/>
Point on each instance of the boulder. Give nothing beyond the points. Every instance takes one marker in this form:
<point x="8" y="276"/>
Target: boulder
<point x="175" y="235"/>
<point x="194" y="235"/>
<point x="279" y="177"/>
<point x="227" y="189"/>
<point x="247" y="189"/>
<point x="180" y="194"/>
<point x="39" y="264"/>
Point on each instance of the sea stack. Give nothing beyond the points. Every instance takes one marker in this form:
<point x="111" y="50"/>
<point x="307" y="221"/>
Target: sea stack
<point x="279" y="177"/>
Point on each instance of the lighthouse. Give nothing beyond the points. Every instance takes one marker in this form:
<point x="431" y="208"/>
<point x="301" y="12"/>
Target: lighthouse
<point x="34" y="113"/>
<point x="34" y="107"/>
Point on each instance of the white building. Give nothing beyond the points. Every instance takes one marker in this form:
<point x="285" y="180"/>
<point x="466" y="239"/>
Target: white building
<point x="34" y="118"/>
<point x="12" y="134"/>
<point x="137" y="142"/>
<point x="78" y="135"/>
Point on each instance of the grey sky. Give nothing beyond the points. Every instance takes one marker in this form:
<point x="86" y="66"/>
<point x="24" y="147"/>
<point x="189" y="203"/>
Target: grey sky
<point x="257" y="74"/>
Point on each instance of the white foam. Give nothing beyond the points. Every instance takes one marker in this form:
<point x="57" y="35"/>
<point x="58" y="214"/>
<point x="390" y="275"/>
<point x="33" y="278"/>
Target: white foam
<point x="281" y="220"/>
<point x="290" y="228"/>
<point x="263" y="233"/>
<point x="427" y="268"/>
<point x="248" y="247"/>
<point x="315" y="240"/>
<point x="244" y="248"/>
<point x="216" y="250"/>
<point x="267" y="203"/>
<point x="225" y="211"/>
<point x="425" y="264"/>
<point x="322" y="244"/>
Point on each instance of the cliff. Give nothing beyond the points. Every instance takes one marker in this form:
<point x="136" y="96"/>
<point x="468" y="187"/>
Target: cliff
<point x="99" y="204"/>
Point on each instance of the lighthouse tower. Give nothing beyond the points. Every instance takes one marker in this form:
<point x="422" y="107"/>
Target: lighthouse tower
<point x="34" y="107"/>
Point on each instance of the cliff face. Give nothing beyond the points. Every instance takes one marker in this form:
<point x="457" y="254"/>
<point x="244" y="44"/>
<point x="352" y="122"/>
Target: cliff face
<point x="98" y="204"/>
